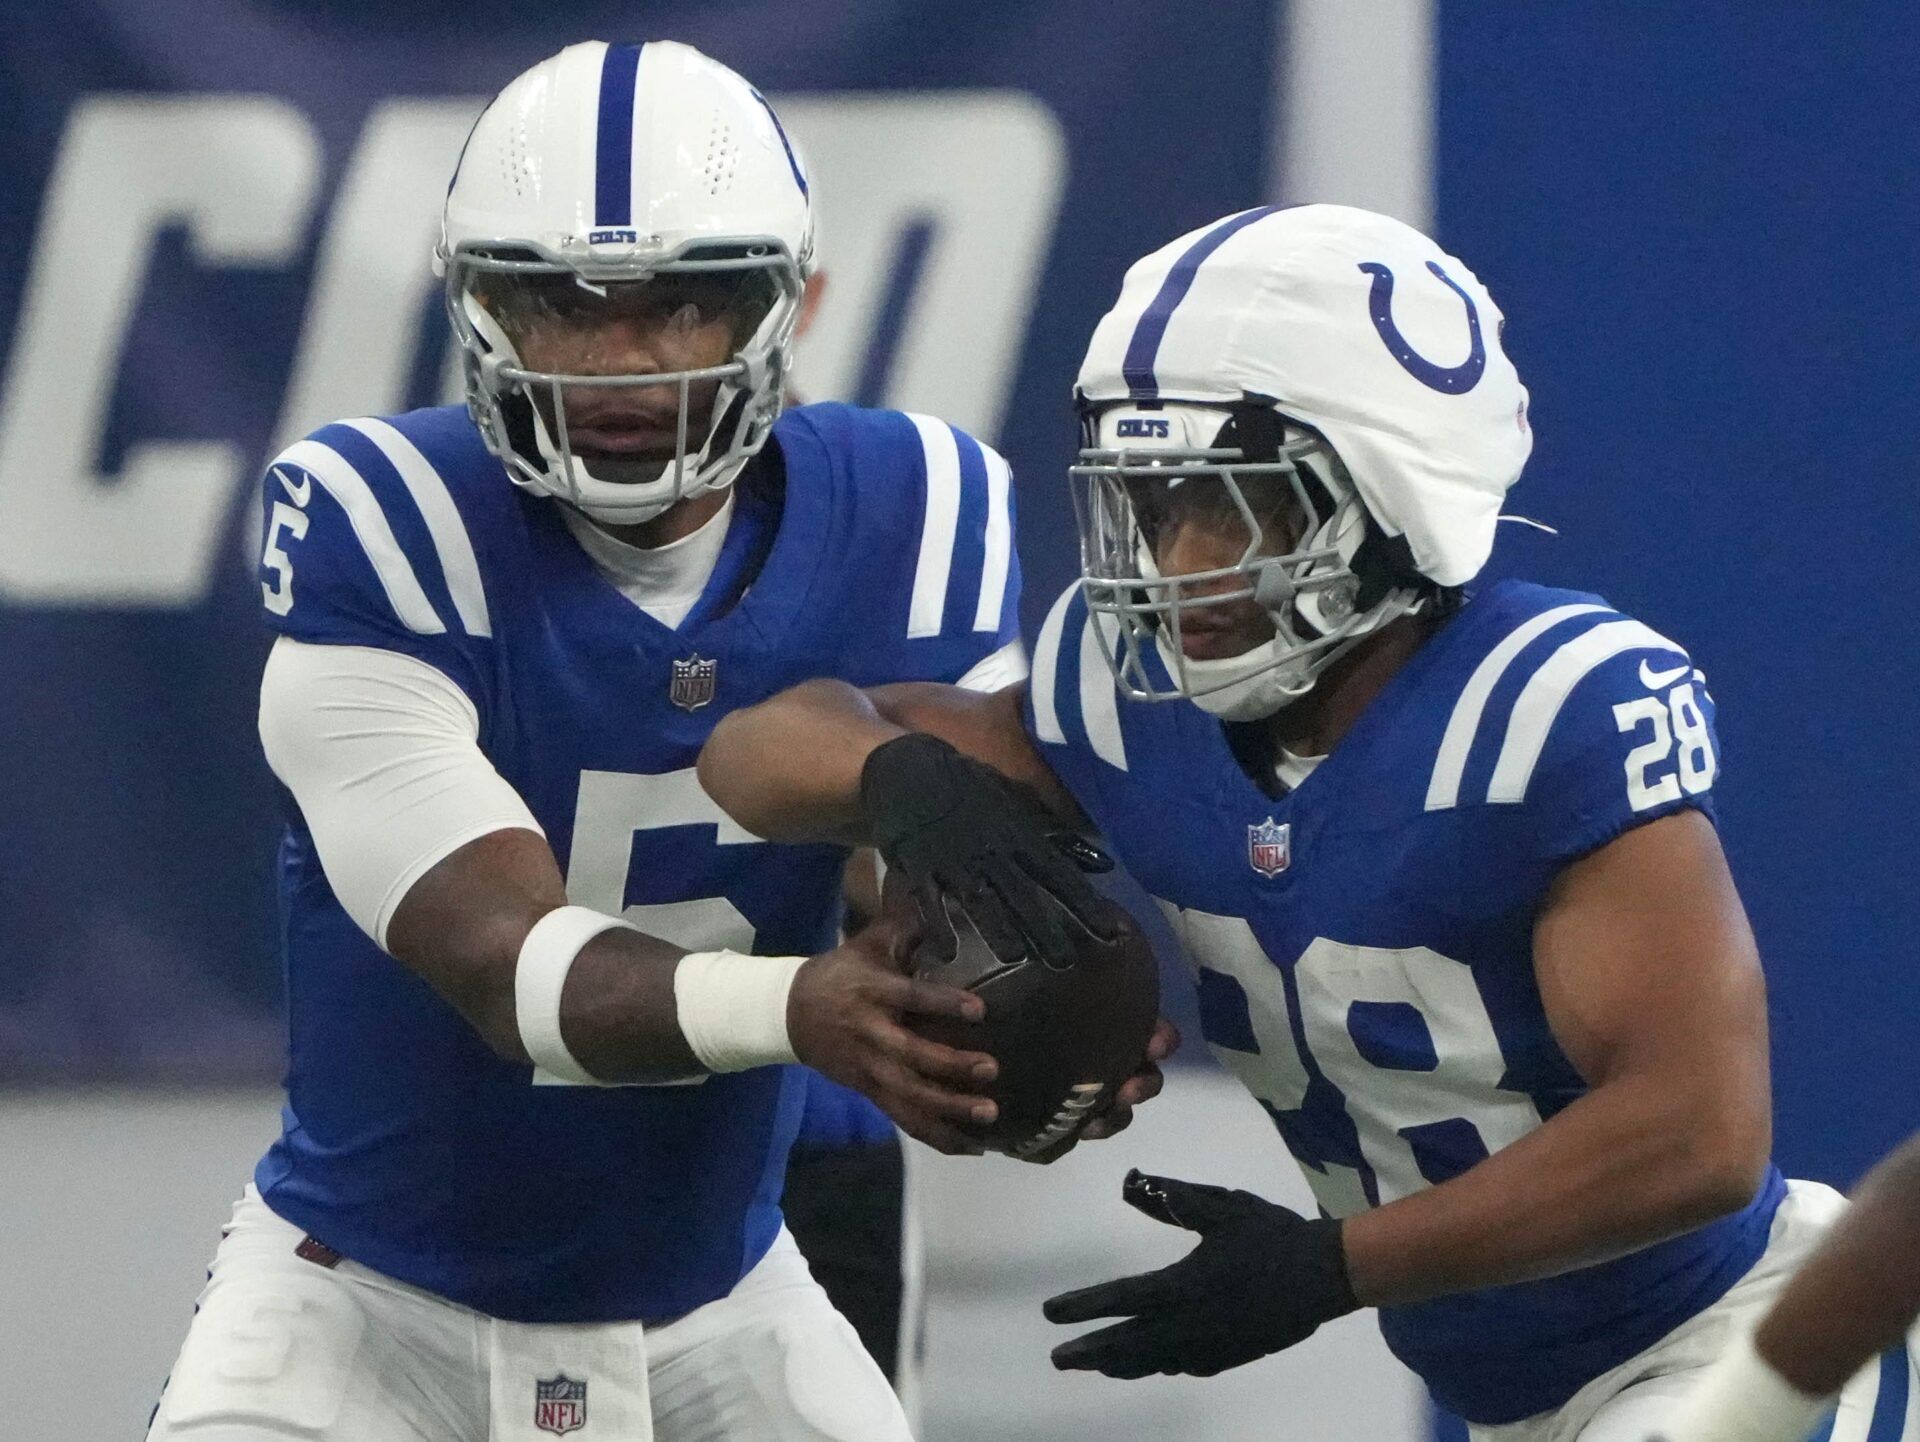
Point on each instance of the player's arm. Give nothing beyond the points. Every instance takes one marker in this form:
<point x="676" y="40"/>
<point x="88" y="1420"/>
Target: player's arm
<point x="923" y="772"/>
<point x="1000" y="669"/>
<point x="1854" y="1298"/>
<point x="1651" y="983"/>
<point x="1860" y="1291"/>
<point x="433" y="854"/>
<point x="790" y="768"/>
<point x="943" y="781"/>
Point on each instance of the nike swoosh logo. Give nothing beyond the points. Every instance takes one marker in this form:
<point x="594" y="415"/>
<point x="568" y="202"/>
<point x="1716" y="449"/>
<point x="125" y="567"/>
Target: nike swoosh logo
<point x="1658" y="680"/>
<point x="303" y="493"/>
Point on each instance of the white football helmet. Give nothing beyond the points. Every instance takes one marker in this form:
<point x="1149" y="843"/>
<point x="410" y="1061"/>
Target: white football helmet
<point x="619" y="166"/>
<point x="1318" y="369"/>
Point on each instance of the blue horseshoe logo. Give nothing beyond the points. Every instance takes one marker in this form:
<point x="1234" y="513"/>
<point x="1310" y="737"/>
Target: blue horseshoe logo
<point x="1452" y="380"/>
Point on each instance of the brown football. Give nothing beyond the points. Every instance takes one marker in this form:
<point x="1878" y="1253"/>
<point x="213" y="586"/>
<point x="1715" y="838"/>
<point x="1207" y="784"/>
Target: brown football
<point x="1065" y="1038"/>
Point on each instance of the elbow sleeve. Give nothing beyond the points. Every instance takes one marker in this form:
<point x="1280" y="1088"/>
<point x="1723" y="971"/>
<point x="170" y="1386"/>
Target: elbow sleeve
<point x="382" y="755"/>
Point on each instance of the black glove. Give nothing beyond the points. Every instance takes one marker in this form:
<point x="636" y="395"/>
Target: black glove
<point x="954" y="827"/>
<point x="1262" y="1279"/>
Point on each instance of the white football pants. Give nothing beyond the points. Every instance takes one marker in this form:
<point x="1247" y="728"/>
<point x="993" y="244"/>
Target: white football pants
<point x="282" y="1348"/>
<point x="1629" y="1403"/>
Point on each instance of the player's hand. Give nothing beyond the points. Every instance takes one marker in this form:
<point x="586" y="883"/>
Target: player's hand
<point x="951" y="826"/>
<point x="1262" y="1279"/>
<point x="1143" y="1086"/>
<point x="845" y="1019"/>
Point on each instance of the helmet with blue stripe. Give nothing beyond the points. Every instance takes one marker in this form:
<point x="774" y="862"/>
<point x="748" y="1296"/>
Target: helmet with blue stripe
<point x="644" y="186"/>
<point x="1326" y="389"/>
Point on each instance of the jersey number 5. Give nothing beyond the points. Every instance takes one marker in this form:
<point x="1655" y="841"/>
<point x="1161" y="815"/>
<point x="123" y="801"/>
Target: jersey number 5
<point x="614" y="808"/>
<point x="277" y="592"/>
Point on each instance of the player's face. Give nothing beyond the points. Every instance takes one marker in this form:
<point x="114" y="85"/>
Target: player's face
<point x="563" y="325"/>
<point x="1194" y="525"/>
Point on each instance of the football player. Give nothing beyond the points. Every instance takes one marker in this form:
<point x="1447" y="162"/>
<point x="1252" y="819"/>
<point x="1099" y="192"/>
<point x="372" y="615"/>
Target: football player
<point x="544" y="996"/>
<point x="1444" y="861"/>
<point x="1811" y="1354"/>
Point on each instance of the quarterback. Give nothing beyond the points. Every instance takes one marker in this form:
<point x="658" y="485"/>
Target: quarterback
<point x="1443" y="859"/>
<point x="544" y="997"/>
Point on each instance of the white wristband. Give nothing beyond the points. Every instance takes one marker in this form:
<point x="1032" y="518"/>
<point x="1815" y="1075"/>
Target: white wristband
<point x="1740" y="1398"/>
<point x="733" y="1008"/>
<point x="546" y="956"/>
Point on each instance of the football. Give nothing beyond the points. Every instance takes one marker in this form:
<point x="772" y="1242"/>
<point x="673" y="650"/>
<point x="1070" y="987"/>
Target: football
<point x="1065" y="1037"/>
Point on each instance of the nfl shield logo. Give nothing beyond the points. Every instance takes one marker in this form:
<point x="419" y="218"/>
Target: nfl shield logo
<point x="1270" y="847"/>
<point x="692" y="685"/>
<point x="559" y="1405"/>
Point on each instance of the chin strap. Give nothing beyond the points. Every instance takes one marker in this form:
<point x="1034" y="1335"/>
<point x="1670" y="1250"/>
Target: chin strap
<point x="1259" y="682"/>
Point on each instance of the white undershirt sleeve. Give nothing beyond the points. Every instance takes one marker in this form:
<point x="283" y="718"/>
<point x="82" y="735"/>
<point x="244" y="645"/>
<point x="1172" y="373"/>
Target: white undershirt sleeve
<point x="382" y="754"/>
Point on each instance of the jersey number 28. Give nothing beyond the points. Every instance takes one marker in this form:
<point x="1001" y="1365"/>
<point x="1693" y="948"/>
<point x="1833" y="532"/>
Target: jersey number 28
<point x="1329" y="1022"/>
<point x="1654" y="776"/>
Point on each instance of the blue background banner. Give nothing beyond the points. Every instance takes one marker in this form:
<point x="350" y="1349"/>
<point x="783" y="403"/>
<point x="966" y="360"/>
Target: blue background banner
<point x="1704" y="241"/>
<point x="1699" y="224"/>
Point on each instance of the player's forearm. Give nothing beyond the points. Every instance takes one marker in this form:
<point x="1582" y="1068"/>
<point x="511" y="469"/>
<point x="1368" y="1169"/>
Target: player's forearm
<point x="1632" y="1163"/>
<point x="618" y="1013"/>
<point x="1860" y="1292"/>
<point x="788" y="769"/>
<point x="627" y="1003"/>
<point x="464" y="927"/>
<point x="1853" y="1298"/>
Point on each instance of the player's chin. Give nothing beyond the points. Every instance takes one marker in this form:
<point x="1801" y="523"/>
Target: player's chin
<point x="1221" y="634"/>
<point x="1218" y="646"/>
<point x="624" y="470"/>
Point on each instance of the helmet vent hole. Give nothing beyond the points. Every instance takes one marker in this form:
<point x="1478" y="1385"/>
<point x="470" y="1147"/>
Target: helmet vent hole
<point x="723" y="155"/>
<point x="515" y="162"/>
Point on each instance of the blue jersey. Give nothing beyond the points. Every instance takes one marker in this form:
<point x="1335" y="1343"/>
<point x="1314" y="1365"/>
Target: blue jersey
<point x="866" y="545"/>
<point x="1362" y="945"/>
<point x="834" y="1117"/>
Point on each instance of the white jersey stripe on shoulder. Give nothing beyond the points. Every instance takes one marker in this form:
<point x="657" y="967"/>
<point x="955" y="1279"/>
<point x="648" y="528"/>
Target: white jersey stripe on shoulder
<point x="930" y="574"/>
<point x="450" y="541"/>
<point x="1005" y="667"/>
<point x="1443" y="789"/>
<point x="356" y="498"/>
<point x="1100" y="700"/>
<point x="993" y="570"/>
<point x="1547" y="690"/>
<point x="1046" y="671"/>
